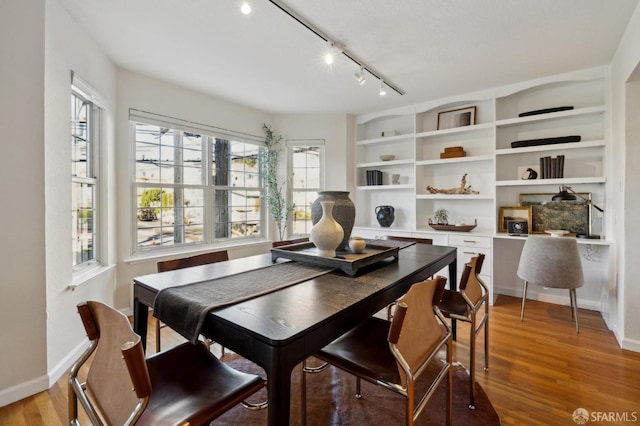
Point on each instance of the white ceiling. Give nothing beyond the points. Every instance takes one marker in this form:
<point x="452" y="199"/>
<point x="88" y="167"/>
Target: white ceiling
<point x="429" y="48"/>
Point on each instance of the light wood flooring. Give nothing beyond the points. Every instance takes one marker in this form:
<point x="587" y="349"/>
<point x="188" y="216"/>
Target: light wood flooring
<point x="540" y="370"/>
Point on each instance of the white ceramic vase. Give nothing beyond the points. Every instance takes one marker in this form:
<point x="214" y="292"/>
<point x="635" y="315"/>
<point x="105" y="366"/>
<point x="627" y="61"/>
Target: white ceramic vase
<point x="327" y="234"/>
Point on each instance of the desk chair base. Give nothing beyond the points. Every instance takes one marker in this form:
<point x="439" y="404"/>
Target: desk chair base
<point x="573" y="299"/>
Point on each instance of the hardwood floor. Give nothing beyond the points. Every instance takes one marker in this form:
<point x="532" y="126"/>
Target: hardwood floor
<point x="540" y="370"/>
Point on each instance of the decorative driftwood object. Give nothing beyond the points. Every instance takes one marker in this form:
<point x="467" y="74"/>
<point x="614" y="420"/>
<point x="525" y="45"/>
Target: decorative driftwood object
<point x="462" y="189"/>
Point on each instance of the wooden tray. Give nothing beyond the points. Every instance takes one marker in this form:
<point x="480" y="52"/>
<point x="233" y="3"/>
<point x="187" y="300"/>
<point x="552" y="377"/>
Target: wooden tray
<point x="461" y="228"/>
<point x="345" y="260"/>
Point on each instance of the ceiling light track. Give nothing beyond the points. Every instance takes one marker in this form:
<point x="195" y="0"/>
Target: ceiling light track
<point x="280" y="5"/>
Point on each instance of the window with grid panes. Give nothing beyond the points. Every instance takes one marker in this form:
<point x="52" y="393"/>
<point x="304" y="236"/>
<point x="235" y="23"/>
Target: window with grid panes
<point x="85" y="133"/>
<point x="194" y="188"/>
<point x="305" y="164"/>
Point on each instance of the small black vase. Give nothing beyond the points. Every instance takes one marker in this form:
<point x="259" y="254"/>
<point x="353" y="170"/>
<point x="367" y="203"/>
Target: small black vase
<point x="385" y="215"/>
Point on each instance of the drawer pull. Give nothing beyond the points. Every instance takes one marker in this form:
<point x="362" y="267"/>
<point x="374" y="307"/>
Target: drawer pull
<point x="470" y="241"/>
<point x="469" y="252"/>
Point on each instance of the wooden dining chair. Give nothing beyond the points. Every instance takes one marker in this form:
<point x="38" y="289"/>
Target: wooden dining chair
<point x="465" y="305"/>
<point x="409" y="239"/>
<point x="186" y="262"/>
<point x="394" y="354"/>
<point x="391" y="307"/>
<point x="183" y="385"/>
<point x="288" y="242"/>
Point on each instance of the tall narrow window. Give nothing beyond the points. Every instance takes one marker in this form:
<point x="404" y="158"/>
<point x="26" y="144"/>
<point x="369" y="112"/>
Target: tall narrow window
<point x="84" y="179"/>
<point x="305" y="160"/>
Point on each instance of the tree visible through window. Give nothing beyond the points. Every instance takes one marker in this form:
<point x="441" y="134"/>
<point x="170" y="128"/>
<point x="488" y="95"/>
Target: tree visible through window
<point x="194" y="188"/>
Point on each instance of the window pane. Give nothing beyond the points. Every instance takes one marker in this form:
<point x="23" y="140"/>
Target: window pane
<point x="83" y="214"/>
<point x="305" y="165"/>
<point x="302" y="211"/>
<point x="167" y="216"/>
<point x="79" y="136"/>
<point x="235" y="164"/>
<point x="237" y="213"/>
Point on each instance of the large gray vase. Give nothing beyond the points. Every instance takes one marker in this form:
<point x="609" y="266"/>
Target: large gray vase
<point x="344" y="212"/>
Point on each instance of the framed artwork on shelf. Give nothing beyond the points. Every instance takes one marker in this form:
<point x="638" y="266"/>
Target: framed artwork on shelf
<point x="513" y="214"/>
<point x="572" y="216"/>
<point x="457" y="118"/>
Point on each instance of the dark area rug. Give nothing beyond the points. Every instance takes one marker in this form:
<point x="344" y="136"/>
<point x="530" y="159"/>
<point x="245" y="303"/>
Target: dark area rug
<point x="331" y="401"/>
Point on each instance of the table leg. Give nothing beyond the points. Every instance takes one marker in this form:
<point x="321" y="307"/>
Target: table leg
<point x="279" y="392"/>
<point x="140" y="319"/>
<point x="453" y="286"/>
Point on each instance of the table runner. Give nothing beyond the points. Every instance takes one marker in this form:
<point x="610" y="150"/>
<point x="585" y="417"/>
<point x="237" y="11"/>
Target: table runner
<point x="184" y="308"/>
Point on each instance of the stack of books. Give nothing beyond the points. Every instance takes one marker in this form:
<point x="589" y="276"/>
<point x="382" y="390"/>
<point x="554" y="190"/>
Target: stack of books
<point x="552" y="168"/>
<point x="374" y="177"/>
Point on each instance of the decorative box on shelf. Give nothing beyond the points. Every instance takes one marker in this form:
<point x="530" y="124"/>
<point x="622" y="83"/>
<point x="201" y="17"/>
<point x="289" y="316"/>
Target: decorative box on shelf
<point x="453" y="152"/>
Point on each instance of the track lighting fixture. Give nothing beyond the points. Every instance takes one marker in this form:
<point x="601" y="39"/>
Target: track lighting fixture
<point x="359" y="76"/>
<point x="245" y="8"/>
<point x="333" y="51"/>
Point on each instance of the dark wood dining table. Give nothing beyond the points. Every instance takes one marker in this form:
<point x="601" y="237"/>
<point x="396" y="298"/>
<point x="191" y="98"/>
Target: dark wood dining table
<point x="280" y="329"/>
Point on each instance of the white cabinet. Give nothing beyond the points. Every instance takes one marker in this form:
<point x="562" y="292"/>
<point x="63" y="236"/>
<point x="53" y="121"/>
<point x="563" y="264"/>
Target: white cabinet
<point x="470" y="246"/>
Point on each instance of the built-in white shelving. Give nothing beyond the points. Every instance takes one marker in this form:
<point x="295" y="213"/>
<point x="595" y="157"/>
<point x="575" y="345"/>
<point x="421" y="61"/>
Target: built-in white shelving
<point x="492" y="166"/>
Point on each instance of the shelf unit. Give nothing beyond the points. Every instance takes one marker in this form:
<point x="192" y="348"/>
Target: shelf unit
<point x="492" y="166"/>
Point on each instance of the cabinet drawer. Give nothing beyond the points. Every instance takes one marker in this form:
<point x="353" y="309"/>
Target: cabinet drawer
<point x="466" y="253"/>
<point x="469" y="241"/>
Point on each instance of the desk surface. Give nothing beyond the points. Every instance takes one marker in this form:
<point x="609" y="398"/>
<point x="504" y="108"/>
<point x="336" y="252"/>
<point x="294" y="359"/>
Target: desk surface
<point x="281" y="329"/>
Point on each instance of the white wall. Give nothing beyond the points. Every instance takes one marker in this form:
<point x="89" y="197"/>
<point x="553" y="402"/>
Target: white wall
<point x="41" y="331"/>
<point x="336" y="130"/>
<point x="626" y="182"/>
<point x="67" y="48"/>
<point x="22" y="186"/>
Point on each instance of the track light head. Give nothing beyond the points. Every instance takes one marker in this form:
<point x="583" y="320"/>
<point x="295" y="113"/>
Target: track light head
<point x="333" y="50"/>
<point x="383" y="91"/>
<point x="360" y="77"/>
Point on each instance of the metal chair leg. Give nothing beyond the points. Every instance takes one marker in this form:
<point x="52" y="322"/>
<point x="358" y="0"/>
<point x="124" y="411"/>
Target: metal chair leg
<point x="472" y="362"/>
<point x="574" y="307"/>
<point x="524" y="298"/>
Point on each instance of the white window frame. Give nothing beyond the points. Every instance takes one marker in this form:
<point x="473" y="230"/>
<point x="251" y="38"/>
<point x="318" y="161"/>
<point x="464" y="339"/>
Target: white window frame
<point x="85" y="91"/>
<point x="210" y="133"/>
<point x="291" y="144"/>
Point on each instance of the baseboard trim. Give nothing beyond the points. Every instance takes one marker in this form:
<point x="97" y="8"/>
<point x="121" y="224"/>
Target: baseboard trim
<point x="23" y="390"/>
<point x="66" y="363"/>
<point x="42" y="383"/>
<point x="631" y="345"/>
<point x="542" y="297"/>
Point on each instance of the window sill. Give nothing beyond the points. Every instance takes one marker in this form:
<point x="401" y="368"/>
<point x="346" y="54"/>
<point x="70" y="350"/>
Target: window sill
<point x="83" y="276"/>
<point x="152" y="255"/>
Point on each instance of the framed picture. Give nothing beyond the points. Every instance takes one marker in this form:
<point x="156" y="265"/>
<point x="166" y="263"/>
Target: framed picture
<point x="572" y="216"/>
<point x="457" y="118"/>
<point x="514" y="214"/>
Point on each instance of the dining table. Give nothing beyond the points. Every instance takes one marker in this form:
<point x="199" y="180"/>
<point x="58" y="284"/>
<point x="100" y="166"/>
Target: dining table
<point x="280" y="329"/>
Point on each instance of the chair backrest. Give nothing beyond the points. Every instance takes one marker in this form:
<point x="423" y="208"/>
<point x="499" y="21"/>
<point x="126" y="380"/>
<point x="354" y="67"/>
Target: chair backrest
<point x="470" y="283"/>
<point x="415" y="328"/>
<point x="197" y="260"/>
<point x="410" y="239"/>
<point x="287" y="242"/>
<point x="551" y="262"/>
<point x="112" y="389"/>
